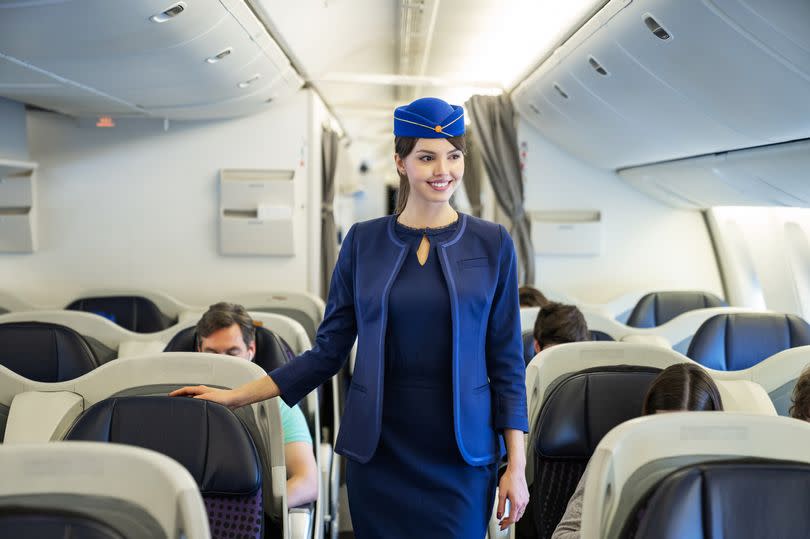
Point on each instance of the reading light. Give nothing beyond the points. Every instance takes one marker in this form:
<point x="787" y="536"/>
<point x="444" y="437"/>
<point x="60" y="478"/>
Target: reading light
<point x="169" y="13"/>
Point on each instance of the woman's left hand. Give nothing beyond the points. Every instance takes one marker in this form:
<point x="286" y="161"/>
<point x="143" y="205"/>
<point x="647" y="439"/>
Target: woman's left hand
<point x="512" y="487"/>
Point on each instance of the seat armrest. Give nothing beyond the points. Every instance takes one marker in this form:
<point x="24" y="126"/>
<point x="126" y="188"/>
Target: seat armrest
<point x="301" y="519"/>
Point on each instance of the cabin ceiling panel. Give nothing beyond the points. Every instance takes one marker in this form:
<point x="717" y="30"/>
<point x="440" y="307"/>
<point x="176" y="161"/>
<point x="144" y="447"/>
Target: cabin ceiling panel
<point x="731" y="75"/>
<point x="337" y="35"/>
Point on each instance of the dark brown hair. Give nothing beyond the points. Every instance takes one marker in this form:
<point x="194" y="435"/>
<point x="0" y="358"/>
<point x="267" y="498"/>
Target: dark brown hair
<point x="529" y="296"/>
<point x="800" y="408"/>
<point x="403" y="146"/>
<point x="682" y="387"/>
<point x="223" y="315"/>
<point x="558" y="323"/>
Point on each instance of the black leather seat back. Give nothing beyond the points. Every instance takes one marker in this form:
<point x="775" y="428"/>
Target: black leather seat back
<point x="742" y="499"/>
<point x="21" y="522"/>
<point x="579" y="410"/>
<point x="736" y="341"/>
<point x="659" y="308"/>
<point x="45" y="352"/>
<point x="271" y="350"/>
<point x="134" y="313"/>
<point x="206" y="438"/>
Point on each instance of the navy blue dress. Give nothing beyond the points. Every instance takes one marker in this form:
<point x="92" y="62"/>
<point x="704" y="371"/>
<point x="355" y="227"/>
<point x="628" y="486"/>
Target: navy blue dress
<point x="417" y="484"/>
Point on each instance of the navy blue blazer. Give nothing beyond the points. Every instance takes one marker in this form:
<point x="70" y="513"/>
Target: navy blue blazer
<point x="489" y="391"/>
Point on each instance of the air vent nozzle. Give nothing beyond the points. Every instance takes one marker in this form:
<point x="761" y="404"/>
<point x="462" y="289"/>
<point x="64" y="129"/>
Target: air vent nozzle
<point x="656" y="28"/>
<point x="560" y="91"/>
<point x="597" y="66"/>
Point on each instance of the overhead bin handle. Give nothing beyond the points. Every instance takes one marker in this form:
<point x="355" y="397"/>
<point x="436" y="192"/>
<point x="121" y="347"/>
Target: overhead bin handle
<point x="169" y="13"/>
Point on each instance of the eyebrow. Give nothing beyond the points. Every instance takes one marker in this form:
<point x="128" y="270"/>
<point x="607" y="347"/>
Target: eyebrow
<point x="434" y="153"/>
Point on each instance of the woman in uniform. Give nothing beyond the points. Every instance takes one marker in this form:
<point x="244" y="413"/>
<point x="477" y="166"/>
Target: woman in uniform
<point x="438" y="392"/>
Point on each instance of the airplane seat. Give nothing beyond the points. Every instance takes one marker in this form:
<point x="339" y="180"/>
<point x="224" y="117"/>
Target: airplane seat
<point x="46" y="352"/>
<point x="658" y="308"/>
<point x="528" y="342"/>
<point x="580" y="409"/>
<point x="96" y="491"/>
<point x="701" y="499"/>
<point x="737" y="341"/>
<point x="206" y="438"/>
<point x="134" y="313"/>
<point x="699" y="474"/>
<point x="271" y="350"/>
<point x="299" y="316"/>
<point x="600" y="336"/>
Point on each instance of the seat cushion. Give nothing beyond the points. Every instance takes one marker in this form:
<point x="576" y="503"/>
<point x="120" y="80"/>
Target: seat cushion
<point x="659" y="308"/>
<point x="134" y="313"/>
<point x="737" y="341"/>
<point x="45" y="352"/>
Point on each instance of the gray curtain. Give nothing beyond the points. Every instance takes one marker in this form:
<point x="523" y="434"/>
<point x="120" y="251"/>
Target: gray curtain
<point x="473" y="173"/>
<point x="329" y="155"/>
<point x="493" y="122"/>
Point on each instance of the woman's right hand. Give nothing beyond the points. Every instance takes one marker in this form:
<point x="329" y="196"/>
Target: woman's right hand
<point x="226" y="397"/>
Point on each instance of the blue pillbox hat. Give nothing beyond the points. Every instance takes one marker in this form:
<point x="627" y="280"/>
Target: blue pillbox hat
<point x="429" y="117"/>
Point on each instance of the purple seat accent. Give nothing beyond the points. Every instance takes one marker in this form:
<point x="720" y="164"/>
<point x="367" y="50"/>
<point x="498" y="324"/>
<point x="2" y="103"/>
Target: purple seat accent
<point x="235" y="517"/>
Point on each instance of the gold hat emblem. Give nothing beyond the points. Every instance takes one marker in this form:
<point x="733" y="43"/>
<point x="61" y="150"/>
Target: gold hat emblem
<point x="438" y="129"/>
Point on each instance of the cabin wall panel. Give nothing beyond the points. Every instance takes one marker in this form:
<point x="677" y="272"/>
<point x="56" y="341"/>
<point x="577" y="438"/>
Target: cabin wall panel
<point x="647" y="245"/>
<point x="136" y="206"/>
<point x="13" y="140"/>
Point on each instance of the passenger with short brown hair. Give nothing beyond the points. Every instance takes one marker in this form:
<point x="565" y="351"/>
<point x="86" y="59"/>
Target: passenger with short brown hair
<point x="228" y="329"/>
<point x="529" y="296"/>
<point x="558" y="323"/>
<point x="800" y="408"/>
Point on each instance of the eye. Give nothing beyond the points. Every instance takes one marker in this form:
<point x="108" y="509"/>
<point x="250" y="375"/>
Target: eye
<point x="455" y="156"/>
<point x="426" y="158"/>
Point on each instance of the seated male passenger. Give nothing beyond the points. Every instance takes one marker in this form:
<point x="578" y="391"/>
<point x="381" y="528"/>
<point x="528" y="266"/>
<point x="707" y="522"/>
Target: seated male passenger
<point x="529" y="296"/>
<point x="558" y="323"/>
<point x="800" y="408"/>
<point x="683" y="387"/>
<point x="227" y="328"/>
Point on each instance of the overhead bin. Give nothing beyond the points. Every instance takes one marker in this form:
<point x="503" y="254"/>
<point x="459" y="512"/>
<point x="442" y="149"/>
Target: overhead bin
<point x="100" y="28"/>
<point x="728" y="75"/>
<point x="766" y="176"/>
<point x="118" y="61"/>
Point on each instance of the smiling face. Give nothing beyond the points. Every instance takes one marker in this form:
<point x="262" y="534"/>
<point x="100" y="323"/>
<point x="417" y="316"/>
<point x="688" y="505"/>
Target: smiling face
<point x="434" y="169"/>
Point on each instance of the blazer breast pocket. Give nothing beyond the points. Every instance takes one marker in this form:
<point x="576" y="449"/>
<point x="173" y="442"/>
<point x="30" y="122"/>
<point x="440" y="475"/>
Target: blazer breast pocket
<point x="481" y="262"/>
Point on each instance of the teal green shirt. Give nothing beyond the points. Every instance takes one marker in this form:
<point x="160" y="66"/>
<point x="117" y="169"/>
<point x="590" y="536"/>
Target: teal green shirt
<point x="294" y="424"/>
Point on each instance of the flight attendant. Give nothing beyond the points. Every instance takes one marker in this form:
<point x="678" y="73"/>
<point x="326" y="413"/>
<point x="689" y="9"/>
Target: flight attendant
<point x="438" y="390"/>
